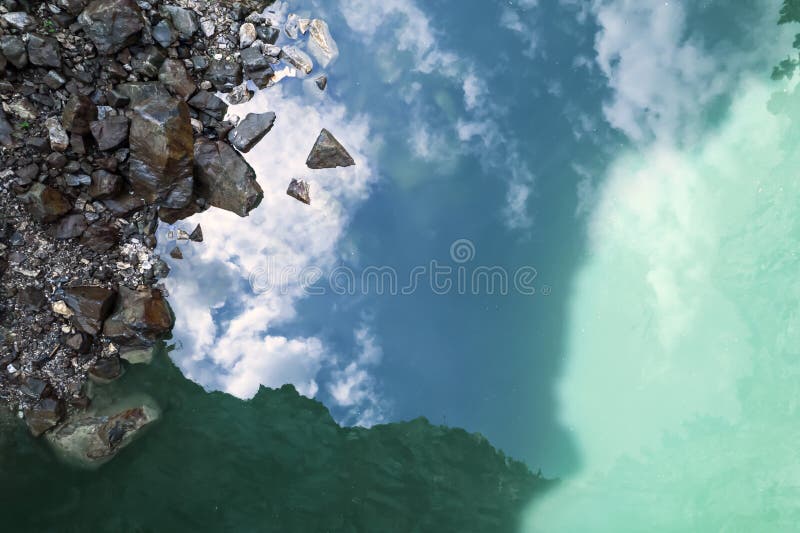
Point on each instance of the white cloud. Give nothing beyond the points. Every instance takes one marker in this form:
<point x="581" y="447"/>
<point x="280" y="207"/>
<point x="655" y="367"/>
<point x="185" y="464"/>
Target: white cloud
<point x="517" y="19"/>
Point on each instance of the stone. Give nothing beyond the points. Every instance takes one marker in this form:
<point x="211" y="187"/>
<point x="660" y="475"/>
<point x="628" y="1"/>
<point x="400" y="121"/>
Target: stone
<point x="22" y="108"/>
<point x="73" y="7"/>
<point x="124" y="204"/>
<point x="161" y="158"/>
<point x="77" y="180"/>
<point x="321" y="44"/>
<point x="208" y="28"/>
<point x="106" y="370"/>
<point x="44" y="415"/>
<point x="6" y="129"/>
<point x="54" y="80"/>
<point x="30" y="298"/>
<point x="247" y="35"/>
<point x="240" y="94"/>
<point x="197" y="234"/>
<point x="59" y="140"/>
<point x="141" y="316"/>
<point x="77" y="143"/>
<point x="78" y="342"/>
<point x="224" y="75"/>
<point x="183" y="20"/>
<point x="176" y="253"/>
<point x="299" y="190"/>
<point x="46" y="204"/>
<point x="322" y="82"/>
<point x="257" y="67"/>
<point x="79" y="112"/>
<point x="251" y="130"/>
<point x="148" y="62"/>
<point x="100" y="238"/>
<point x="91" y="305"/>
<point x="117" y="99"/>
<point x="327" y="152"/>
<point x="136" y="355"/>
<point x="34" y="388"/>
<point x="138" y="92"/>
<point x="174" y="76"/>
<point x="44" y="51"/>
<point x="104" y="185"/>
<point x="112" y="24"/>
<point x="56" y="160"/>
<point x="69" y="227"/>
<point x="60" y="308"/>
<point x="297" y="58"/>
<point x="209" y="104"/>
<point x="13" y="48"/>
<point x="164" y="33"/>
<point x="111" y="132"/>
<point x="20" y="20"/>
<point x="268" y="34"/>
<point x="225" y="179"/>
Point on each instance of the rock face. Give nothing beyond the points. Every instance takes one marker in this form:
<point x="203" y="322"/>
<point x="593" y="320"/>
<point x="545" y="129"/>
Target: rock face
<point x="91" y="306"/>
<point x="112" y="24"/>
<point x="250" y="130"/>
<point x="140" y="317"/>
<point x="299" y="190"/>
<point x="225" y="179"/>
<point x="110" y="132"/>
<point x="79" y="112"/>
<point x="328" y="153"/>
<point x="45" y="203"/>
<point x="161" y="143"/>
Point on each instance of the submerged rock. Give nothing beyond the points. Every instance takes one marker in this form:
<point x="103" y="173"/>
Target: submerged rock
<point x="225" y="179"/>
<point x="141" y="316"/>
<point x="327" y="152"/>
<point x="321" y="45"/>
<point x="251" y="130"/>
<point x="91" y="305"/>
<point x="45" y="203"/>
<point x="299" y="190"/>
<point x="112" y="24"/>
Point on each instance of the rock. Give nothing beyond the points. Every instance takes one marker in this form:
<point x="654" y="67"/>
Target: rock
<point x="183" y="20"/>
<point x="328" y="153"/>
<point x="268" y="34"/>
<point x="112" y="24"/>
<point x="297" y="58"/>
<point x="136" y="355"/>
<point x="77" y="180"/>
<point x="209" y="104"/>
<point x="290" y="28"/>
<point x="104" y="185"/>
<point x="100" y="238"/>
<point x="91" y="306"/>
<point x="60" y="308"/>
<point x="117" y="99"/>
<point x="44" y="415"/>
<point x="59" y="140"/>
<point x="257" y="67"/>
<point x="73" y="7"/>
<point x="77" y="143"/>
<point x="69" y="227"/>
<point x="124" y="204"/>
<point x="208" y="28"/>
<point x="30" y="298"/>
<point x="247" y="35"/>
<point x="197" y="234"/>
<point x="23" y="109"/>
<point x="176" y="253"/>
<point x="148" y="62"/>
<point x="106" y="370"/>
<point x="45" y="203"/>
<point x="5" y="130"/>
<point x="34" y="388"/>
<point x="78" y="342"/>
<point x="44" y="51"/>
<point x="299" y="190"/>
<point x="251" y="130"/>
<point x="14" y="50"/>
<point x="240" y="94"/>
<point x="161" y="142"/>
<point x="79" y="112"/>
<point x="164" y="33"/>
<point x="20" y="20"/>
<point x="138" y="92"/>
<point x="225" y="179"/>
<point x="111" y="132"/>
<point x="173" y="74"/>
<point x="322" y="82"/>
<point x="171" y="216"/>
<point x="224" y="75"/>
<point x="141" y="316"/>
<point x="321" y="44"/>
<point x="54" y="80"/>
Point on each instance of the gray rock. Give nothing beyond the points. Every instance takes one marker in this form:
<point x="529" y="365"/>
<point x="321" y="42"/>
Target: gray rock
<point x="164" y="33"/>
<point x="112" y="24"/>
<point x="14" y="50"/>
<point x="138" y="92"/>
<point x="197" y="234"/>
<point x="69" y="227"/>
<point x="327" y="152"/>
<point x="44" y="51"/>
<point x="77" y="180"/>
<point x="209" y="104"/>
<point x="79" y="112"/>
<point x="59" y="140"/>
<point x="300" y="190"/>
<point x="224" y="75"/>
<point x="297" y="58"/>
<point x="322" y="82"/>
<point x="111" y="132"/>
<point x="45" y="203"/>
<point x="148" y="62"/>
<point x="240" y="94"/>
<point x="104" y="185"/>
<point x="251" y="130"/>
<point x="208" y="28"/>
<point x="268" y="34"/>
<point x="225" y="179"/>
<point x="174" y="76"/>
<point x="20" y="20"/>
<point x="257" y="67"/>
<point x="54" y="80"/>
<point x="184" y="20"/>
<point x="247" y="35"/>
<point x="106" y="370"/>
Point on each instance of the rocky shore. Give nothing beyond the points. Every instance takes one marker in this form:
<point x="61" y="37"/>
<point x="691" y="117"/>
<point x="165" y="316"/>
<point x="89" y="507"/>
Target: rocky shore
<point x="113" y="120"/>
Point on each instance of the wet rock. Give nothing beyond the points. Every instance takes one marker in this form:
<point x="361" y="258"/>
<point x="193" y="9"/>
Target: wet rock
<point x="14" y="50"/>
<point x="111" y="132"/>
<point x="161" y="141"/>
<point x="44" y="51"/>
<point x="44" y="415"/>
<point x="176" y="253"/>
<point x="297" y="58"/>
<point x="79" y="112"/>
<point x="105" y="370"/>
<point x="141" y="316"/>
<point x="224" y="75"/>
<point x="174" y="76"/>
<point x="328" y="153"/>
<point x="112" y="24"/>
<point x="183" y="20"/>
<point x="91" y="305"/>
<point x="164" y="33"/>
<point x="197" y="234"/>
<point x="100" y="238"/>
<point x="209" y="104"/>
<point x="69" y="227"/>
<point x="299" y="190"/>
<point x="20" y="20"/>
<point x="136" y="355"/>
<point x="247" y="35"/>
<point x="251" y="130"/>
<point x="46" y="204"/>
<point x="321" y="44"/>
<point x="138" y="92"/>
<point x="225" y="179"/>
<point x="31" y="298"/>
<point x="59" y="140"/>
<point x="322" y="82"/>
<point x="104" y="185"/>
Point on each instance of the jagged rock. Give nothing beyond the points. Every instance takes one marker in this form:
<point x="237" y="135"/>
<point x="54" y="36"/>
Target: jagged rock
<point x="321" y="44"/>
<point x="100" y="238"/>
<point x="225" y="179"/>
<point x="104" y="185"/>
<point x="79" y="112"/>
<point x="124" y="204"/>
<point x="91" y="306"/>
<point x="54" y="80"/>
<point x="5" y="130"/>
<point x="106" y="370"/>
<point x="13" y="48"/>
<point x="251" y="130"/>
<point x="224" y="75"/>
<point x="31" y="298"/>
<point x="328" y="153"/>
<point x="161" y="143"/>
<point x="110" y="132"/>
<point x="299" y="190"/>
<point x="20" y="20"/>
<point x="208" y="27"/>
<point x="257" y="67"/>
<point x="183" y="20"/>
<point x="171" y="216"/>
<point x="164" y="33"/>
<point x="69" y="227"/>
<point x="138" y="92"/>
<point x="117" y="99"/>
<point x="148" y="62"/>
<point x="322" y="82"/>
<point x="44" y="51"/>
<point x="268" y="34"/>
<point x="137" y="355"/>
<point x="173" y="74"/>
<point x="112" y="24"/>
<point x="297" y="58"/>
<point x="240" y="94"/>
<point x="44" y="415"/>
<point x="209" y="104"/>
<point x="247" y="35"/>
<point x="73" y="7"/>
<point x="78" y="342"/>
<point x="22" y="108"/>
<point x="45" y="203"/>
<point x="77" y="180"/>
<point x="141" y="316"/>
<point x="197" y="234"/>
<point x="59" y="140"/>
<point x="35" y="388"/>
<point x="176" y="253"/>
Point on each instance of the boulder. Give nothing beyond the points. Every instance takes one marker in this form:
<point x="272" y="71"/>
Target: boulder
<point x="79" y="113"/>
<point x="69" y="227"/>
<point x="257" y="67"/>
<point x="111" y="132"/>
<point x="299" y="190"/>
<point x="224" y="75"/>
<point x="183" y="20"/>
<point x="13" y="48"/>
<point x="209" y="104"/>
<point x="141" y="316"/>
<point x="104" y="185"/>
<point x="112" y="24"/>
<point x="174" y="76"/>
<point x="225" y="179"/>
<point x="91" y="305"/>
<point x="44" y="51"/>
<point x="44" y="415"/>
<point x="161" y="157"/>
<point x="164" y="33"/>
<point x="327" y="152"/>
<point x="250" y="130"/>
<point x="45" y="203"/>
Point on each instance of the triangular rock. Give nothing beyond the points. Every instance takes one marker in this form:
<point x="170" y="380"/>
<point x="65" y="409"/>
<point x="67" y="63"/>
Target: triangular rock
<point x="299" y="190"/>
<point x="328" y="153"/>
<point x="197" y="234"/>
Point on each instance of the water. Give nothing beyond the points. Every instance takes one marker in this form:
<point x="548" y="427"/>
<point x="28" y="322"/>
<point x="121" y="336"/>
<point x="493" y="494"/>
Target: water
<point x="637" y="157"/>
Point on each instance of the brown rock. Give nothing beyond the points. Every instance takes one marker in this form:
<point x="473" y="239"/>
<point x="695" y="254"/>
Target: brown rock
<point x="225" y="179"/>
<point x="141" y="316"/>
<point x="45" y="203"/>
<point x="79" y="112"/>
<point x="44" y="415"/>
<point x="91" y="304"/>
